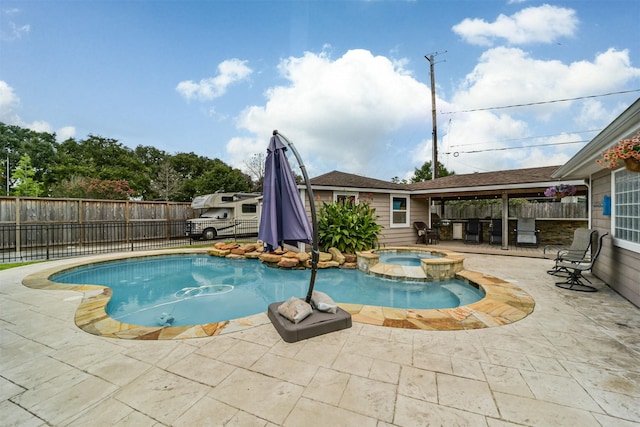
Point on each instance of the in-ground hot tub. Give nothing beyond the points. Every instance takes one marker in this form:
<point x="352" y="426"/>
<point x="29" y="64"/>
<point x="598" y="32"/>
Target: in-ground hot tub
<point x="409" y="263"/>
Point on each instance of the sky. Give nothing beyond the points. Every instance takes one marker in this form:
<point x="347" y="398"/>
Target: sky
<point x="518" y="83"/>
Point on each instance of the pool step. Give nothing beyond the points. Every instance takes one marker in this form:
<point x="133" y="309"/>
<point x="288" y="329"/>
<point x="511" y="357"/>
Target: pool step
<point x="398" y="272"/>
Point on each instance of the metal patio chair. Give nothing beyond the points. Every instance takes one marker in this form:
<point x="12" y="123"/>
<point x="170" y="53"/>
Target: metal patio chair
<point x="526" y="233"/>
<point x="473" y="231"/>
<point x="576" y="253"/>
<point x="425" y="234"/>
<point x="575" y="281"/>
<point x="495" y="234"/>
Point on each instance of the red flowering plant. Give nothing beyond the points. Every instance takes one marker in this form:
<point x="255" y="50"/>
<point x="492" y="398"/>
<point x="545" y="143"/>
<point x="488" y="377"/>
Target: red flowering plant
<point x="623" y="150"/>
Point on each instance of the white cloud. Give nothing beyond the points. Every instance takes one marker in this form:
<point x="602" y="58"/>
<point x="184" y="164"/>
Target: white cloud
<point x="65" y="133"/>
<point x="542" y="24"/>
<point x="337" y="112"/>
<point x="229" y="72"/>
<point x="9" y="102"/>
<point x="509" y="76"/>
<point x="39" y="126"/>
<point x="9" y="30"/>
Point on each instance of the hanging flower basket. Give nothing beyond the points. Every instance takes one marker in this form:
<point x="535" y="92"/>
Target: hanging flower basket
<point x="560" y="191"/>
<point x="632" y="164"/>
<point x="627" y="151"/>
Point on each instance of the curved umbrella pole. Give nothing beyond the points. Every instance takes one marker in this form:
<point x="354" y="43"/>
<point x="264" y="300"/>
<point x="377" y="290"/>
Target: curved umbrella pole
<point x="315" y="254"/>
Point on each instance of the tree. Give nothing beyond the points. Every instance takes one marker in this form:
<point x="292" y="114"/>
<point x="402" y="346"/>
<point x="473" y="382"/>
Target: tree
<point x="40" y="147"/>
<point x="167" y="182"/>
<point x="103" y="159"/>
<point x="222" y="177"/>
<point x="397" y="180"/>
<point x="425" y="172"/>
<point x="93" y="188"/>
<point x="256" y="165"/>
<point x="24" y="177"/>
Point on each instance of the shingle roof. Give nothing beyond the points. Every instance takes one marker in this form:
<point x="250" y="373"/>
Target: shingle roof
<point x="483" y="179"/>
<point x="529" y="182"/>
<point x="341" y="179"/>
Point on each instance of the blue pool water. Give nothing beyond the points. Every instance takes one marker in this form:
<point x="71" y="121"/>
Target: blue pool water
<point x="178" y="290"/>
<point x="406" y="258"/>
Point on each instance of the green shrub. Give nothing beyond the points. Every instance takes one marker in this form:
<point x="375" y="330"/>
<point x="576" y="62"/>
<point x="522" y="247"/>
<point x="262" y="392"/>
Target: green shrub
<point x="347" y="227"/>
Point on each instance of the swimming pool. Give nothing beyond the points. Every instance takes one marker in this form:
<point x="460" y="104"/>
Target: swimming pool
<point x="174" y="290"/>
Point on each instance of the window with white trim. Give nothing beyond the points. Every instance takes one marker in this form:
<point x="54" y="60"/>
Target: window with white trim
<point x="399" y="211"/>
<point x="625" y="222"/>
<point x="341" y="197"/>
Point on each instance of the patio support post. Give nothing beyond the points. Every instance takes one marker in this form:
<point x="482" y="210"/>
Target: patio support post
<point x="505" y="221"/>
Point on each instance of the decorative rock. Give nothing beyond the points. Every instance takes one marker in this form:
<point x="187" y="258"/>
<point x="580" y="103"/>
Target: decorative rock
<point x="235" y="256"/>
<point x="290" y="255"/>
<point x="230" y="246"/>
<point x="218" y="252"/>
<point x="286" y="262"/>
<point x="336" y="255"/>
<point x="328" y="264"/>
<point x="249" y="247"/>
<point x="270" y="258"/>
<point x="252" y="255"/>
<point x="324" y="256"/>
<point x="349" y="265"/>
<point x="237" y="251"/>
<point x="350" y="258"/>
<point x="303" y="257"/>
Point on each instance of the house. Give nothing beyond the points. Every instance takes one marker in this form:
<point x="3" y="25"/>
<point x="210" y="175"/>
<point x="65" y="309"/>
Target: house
<point x="398" y="206"/>
<point x="392" y="202"/>
<point x="615" y="205"/>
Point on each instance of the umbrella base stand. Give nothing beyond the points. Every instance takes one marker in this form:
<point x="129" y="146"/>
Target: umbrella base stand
<point x="317" y="323"/>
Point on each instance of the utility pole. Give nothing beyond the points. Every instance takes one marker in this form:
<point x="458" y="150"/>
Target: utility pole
<point x="431" y="59"/>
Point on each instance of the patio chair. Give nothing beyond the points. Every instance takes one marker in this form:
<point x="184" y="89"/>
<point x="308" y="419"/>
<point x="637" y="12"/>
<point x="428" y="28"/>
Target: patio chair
<point x="577" y="252"/>
<point x="473" y="231"/>
<point x="495" y="234"/>
<point x="575" y="269"/>
<point x="425" y="234"/>
<point x="526" y="233"/>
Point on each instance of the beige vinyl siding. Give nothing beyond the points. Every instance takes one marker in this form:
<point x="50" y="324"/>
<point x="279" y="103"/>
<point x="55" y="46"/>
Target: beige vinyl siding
<point x="618" y="267"/>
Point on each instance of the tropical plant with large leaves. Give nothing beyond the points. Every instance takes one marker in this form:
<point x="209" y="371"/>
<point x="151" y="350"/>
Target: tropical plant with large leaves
<point x="347" y="226"/>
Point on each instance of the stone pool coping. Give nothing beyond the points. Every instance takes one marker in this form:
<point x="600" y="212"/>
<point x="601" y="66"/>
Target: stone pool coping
<point x="503" y="304"/>
<point x="430" y="269"/>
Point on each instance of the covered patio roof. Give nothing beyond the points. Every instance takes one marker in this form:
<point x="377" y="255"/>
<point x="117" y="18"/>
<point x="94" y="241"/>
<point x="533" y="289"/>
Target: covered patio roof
<point x="530" y="182"/>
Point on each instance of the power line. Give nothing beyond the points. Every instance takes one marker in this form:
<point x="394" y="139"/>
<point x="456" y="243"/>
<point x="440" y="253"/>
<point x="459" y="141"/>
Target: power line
<point x="529" y="137"/>
<point x="457" y="153"/>
<point x="542" y="102"/>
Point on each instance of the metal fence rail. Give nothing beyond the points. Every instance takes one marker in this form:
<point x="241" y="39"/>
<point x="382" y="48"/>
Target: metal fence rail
<point x="35" y="242"/>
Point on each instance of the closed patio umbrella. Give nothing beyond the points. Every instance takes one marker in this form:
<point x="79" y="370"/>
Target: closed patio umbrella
<point x="284" y="220"/>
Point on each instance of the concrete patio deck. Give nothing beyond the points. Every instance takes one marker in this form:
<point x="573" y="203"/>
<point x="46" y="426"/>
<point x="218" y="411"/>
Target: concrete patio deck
<point x="574" y="361"/>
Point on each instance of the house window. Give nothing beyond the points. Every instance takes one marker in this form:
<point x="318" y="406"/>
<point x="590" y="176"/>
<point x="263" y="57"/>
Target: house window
<point x="626" y="217"/>
<point x="399" y="211"/>
<point x="341" y="197"/>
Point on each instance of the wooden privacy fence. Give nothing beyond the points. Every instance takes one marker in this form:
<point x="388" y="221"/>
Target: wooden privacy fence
<point x="549" y="210"/>
<point x="33" y="210"/>
<point x="43" y="222"/>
